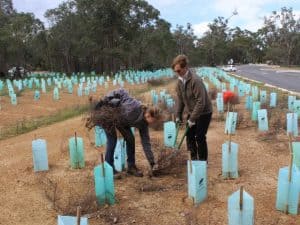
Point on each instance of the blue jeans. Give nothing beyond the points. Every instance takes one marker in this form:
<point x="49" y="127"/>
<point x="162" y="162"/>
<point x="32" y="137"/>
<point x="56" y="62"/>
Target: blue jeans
<point x="112" y="141"/>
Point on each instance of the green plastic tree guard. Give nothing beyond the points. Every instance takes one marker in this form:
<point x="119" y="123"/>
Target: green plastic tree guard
<point x="56" y="93"/>
<point x="39" y="155"/>
<point x="37" y="95"/>
<point x="104" y="184"/>
<point x="291" y="100"/>
<point x="297" y="107"/>
<point x="292" y="124"/>
<point x="76" y="152"/>
<point x="13" y="99"/>
<point x="230" y="160"/>
<point x="197" y="180"/>
<point x="169" y="133"/>
<point x="288" y="190"/>
<point x="249" y="102"/>
<point x="263" y="97"/>
<point x="254" y="93"/>
<point x="120" y="155"/>
<point x="273" y="99"/>
<point x="231" y="121"/>
<point x="71" y="220"/>
<point x="255" y="108"/>
<point x="262" y="116"/>
<point x="100" y="136"/>
<point x="220" y="103"/>
<point x="240" y="208"/>
<point x="296" y="154"/>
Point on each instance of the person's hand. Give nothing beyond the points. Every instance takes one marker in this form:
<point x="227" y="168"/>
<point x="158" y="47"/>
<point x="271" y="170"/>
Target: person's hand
<point x="178" y="121"/>
<point x="190" y="123"/>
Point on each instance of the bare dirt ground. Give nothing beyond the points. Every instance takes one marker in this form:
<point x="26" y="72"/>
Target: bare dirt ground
<point x="27" y="108"/>
<point x="28" y="198"/>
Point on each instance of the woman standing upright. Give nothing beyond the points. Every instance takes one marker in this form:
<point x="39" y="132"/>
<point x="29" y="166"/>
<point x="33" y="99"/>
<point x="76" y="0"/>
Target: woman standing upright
<point x="193" y="97"/>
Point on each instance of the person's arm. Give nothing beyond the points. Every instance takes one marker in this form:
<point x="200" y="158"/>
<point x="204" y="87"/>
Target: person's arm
<point x="180" y="105"/>
<point x="198" y="90"/>
<point x="145" y="139"/>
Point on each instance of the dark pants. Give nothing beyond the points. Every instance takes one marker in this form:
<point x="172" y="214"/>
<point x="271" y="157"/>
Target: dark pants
<point x="112" y="141"/>
<point x="196" y="138"/>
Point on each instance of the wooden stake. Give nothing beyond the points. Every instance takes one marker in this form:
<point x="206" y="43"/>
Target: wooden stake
<point x="290" y="168"/>
<point x="102" y="161"/>
<point x="229" y="151"/>
<point x="228" y="105"/>
<point x="76" y="139"/>
<point x="190" y="163"/>
<point x="292" y="123"/>
<point x="291" y="157"/>
<point x="241" y="198"/>
<point x="229" y="143"/>
<point x="78" y="215"/>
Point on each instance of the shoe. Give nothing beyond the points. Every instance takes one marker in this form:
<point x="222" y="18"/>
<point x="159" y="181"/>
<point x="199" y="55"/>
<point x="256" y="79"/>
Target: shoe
<point x="133" y="170"/>
<point x="155" y="170"/>
<point x="117" y="175"/>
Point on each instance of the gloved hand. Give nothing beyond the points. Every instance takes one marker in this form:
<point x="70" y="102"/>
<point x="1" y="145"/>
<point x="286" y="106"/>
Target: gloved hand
<point x="178" y="121"/>
<point x="190" y="123"/>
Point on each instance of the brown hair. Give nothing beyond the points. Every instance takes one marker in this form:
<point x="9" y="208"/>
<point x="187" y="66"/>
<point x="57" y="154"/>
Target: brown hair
<point x="154" y="112"/>
<point x="182" y="60"/>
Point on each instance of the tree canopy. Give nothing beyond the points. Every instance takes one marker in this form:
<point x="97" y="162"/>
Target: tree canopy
<point x="109" y="35"/>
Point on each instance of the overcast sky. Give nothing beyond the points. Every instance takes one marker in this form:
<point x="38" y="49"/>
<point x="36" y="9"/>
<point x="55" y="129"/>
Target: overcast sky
<point x="197" y="12"/>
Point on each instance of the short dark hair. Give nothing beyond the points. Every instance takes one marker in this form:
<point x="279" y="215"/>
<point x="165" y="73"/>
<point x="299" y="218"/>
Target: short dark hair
<point x="182" y="60"/>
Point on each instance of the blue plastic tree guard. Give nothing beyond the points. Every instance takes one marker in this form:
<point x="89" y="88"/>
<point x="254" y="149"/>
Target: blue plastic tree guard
<point x="297" y="107"/>
<point x="56" y="93"/>
<point x="262" y="120"/>
<point x="241" y="89"/>
<point x="273" y="99"/>
<point x="263" y="97"/>
<point x="291" y="100"/>
<point x="100" y="136"/>
<point x="86" y="90"/>
<point x="255" y="108"/>
<point x="247" y="89"/>
<point x="70" y="88"/>
<point x="230" y="160"/>
<point x="37" y="95"/>
<point x="288" y="190"/>
<point x="71" y="220"/>
<point x="13" y="99"/>
<point x="249" y="102"/>
<point x="231" y="86"/>
<point x="120" y="155"/>
<point x="292" y="123"/>
<point x="43" y="86"/>
<point x="240" y="215"/>
<point x="220" y="104"/>
<point x="296" y="154"/>
<point x="76" y="152"/>
<point x="39" y="155"/>
<point x="104" y="184"/>
<point x="230" y="125"/>
<point x="197" y="180"/>
<point x="255" y="93"/>
<point x="169" y="134"/>
<point x="79" y="91"/>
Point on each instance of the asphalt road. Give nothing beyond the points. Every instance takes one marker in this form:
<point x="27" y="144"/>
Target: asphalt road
<point x="287" y="79"/>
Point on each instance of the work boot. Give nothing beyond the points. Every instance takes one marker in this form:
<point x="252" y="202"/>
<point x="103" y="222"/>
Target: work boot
<point x="133" y="170"/>
<point x="117" y="175"/>
<point x="154" y="170"/>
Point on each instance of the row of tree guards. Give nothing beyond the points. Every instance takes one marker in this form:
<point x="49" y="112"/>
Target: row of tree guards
<point x="85" y="83"/>
<point x="240" y="203"/>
